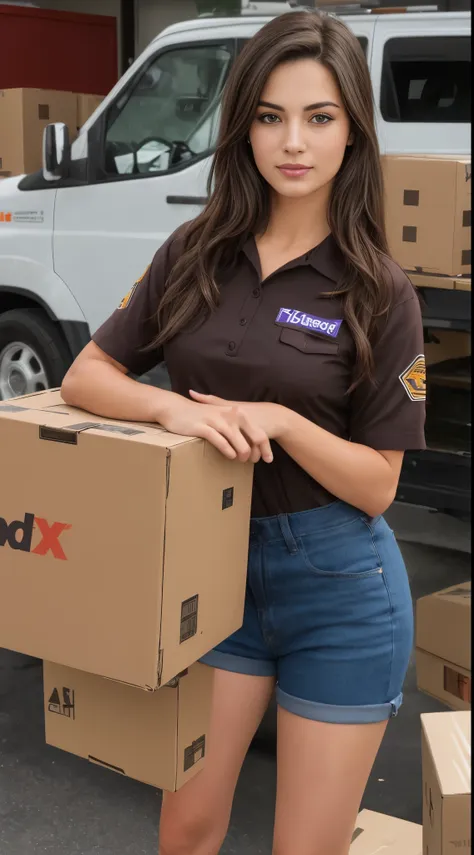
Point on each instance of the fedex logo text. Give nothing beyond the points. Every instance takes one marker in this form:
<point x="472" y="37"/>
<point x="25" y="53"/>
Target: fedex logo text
<point x="18" y="535"/>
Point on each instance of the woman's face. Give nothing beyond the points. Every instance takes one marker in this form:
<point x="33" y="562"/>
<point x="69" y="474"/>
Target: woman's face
<point x="301" y="129"/>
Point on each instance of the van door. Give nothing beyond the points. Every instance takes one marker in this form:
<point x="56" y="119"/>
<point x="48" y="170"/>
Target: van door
<point x="151" y="170"/>
<point x="364" y="29"/>
<point x="421" y="71"/>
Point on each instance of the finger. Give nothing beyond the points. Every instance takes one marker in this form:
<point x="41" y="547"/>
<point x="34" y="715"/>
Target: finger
<point x="235" y="437"/>
<point x="207" y="399"/>
<point x="218" y="441"/>
<point x="258" y="438"/>
<point x="256" y="454"/>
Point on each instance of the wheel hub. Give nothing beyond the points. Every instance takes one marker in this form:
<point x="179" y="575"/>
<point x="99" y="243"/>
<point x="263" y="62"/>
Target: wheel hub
<point x="21" y="371"/>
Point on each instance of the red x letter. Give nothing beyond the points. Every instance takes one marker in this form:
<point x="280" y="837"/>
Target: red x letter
<point x="50" y="541"/>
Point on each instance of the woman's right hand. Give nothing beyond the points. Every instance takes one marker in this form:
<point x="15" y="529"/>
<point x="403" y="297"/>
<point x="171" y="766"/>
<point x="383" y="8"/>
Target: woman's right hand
<point x="229" y="429"/>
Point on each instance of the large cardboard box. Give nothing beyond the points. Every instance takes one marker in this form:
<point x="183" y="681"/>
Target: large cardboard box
<point x="443" y="645"/>
<point x="377" y="833"/>
<point x="24" y="114"/>
<point x="428" y="213"/>
<point x="86" y="105"/>
<point x="123" y="548"/>
<point x="158" y="738"/>
<point x="446" y="758"/>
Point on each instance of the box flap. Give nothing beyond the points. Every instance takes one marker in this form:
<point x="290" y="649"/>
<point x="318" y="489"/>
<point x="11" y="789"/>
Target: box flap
<point x="448" y="737"/>
<point x="48" y="409"/>
<point x="376" y="833"/>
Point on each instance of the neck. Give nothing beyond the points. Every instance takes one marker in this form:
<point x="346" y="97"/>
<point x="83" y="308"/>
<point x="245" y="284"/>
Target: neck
<point x="298" y="221"/>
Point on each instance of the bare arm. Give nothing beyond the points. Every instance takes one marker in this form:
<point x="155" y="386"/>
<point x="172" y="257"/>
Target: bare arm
<point x="355" y="473"/>
<point x="97" y="383"/>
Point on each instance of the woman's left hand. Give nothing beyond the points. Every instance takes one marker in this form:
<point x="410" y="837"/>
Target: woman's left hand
<point x="271" y="418"/>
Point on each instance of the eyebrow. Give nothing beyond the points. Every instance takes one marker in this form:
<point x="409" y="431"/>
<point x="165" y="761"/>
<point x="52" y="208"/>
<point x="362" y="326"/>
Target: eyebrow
<point x="316" y="106"/>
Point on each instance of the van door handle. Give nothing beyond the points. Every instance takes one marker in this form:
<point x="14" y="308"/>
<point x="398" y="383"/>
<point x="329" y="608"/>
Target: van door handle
<point x="187" y="200"/>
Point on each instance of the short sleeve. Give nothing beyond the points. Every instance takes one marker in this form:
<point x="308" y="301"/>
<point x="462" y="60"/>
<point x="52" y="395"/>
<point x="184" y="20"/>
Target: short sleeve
<point x="389" y="414"/>
<point x="132" y="327"/>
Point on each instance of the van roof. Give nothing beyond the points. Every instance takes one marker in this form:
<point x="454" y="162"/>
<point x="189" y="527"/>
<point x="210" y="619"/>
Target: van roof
<point x="244" y="20"/>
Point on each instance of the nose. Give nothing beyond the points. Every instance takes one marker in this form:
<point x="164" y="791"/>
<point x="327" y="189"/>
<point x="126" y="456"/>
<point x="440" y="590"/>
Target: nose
<point x="294" y="142"/>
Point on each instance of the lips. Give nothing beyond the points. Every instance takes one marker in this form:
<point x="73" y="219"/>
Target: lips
<point x="294" y="170"/>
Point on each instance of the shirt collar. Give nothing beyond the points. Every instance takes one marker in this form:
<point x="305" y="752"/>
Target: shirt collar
<point x="326" y="258"/>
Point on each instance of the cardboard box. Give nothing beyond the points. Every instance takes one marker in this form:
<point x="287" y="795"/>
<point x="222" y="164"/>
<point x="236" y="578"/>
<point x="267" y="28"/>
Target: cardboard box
<point x="86" y="105"/>
<point x="158" y="738"/>
<point x="428" y="213"/>
<point x="123" y="548"/>
<point x="445" y="283"/>
<point x="446" y="759"/>
<point x="377" y="833"/>
<point x="443" y="645"/>
<point x="24" y="114"/>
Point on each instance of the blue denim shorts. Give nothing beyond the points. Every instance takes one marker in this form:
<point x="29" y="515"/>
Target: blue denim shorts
<point x="328" y="613"/>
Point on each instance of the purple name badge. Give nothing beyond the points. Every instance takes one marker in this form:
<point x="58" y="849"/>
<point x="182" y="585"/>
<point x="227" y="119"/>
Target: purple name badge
<point x="309" y="323"/>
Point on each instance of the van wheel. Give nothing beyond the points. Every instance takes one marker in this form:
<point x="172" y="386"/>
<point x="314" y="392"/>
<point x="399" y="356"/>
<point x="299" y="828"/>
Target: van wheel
<point x="33" y="356"/>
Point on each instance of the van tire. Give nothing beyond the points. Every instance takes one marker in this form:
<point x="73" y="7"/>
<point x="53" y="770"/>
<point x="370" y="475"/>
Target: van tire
<point x="45" y="356"/>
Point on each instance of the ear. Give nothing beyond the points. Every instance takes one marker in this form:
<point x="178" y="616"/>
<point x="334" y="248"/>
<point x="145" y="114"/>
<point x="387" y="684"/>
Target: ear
<point x="350" y="141"/>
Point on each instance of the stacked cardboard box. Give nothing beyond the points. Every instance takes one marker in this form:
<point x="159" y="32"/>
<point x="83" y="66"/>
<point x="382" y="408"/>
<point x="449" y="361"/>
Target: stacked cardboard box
<point x="443" y="664"/>
<point x="158" y="738"/>
<point x="443" y="645"/>
<point x="446" y="767"/>
<point x="24" y="114"/>
<point x="446" y="759"/>
<point x="428" y="214"/>
<point x="124" y="557"/>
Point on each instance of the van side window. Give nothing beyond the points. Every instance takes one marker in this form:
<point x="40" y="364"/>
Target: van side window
<point x="169" y="117"/>
<point x="426" y="79"/>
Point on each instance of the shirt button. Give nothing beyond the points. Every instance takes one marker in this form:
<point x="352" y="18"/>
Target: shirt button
<point x="256" y="292"/>
<point x="231" y="345"/>
<point x="243" y="321"/>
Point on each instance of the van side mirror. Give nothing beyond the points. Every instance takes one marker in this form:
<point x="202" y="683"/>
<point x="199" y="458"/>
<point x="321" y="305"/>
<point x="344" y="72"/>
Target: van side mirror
<point x="56" y="152"/>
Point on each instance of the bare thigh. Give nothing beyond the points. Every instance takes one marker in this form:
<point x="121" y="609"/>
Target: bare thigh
<point x="194" y="820"/>
<point x="322" y="773"/>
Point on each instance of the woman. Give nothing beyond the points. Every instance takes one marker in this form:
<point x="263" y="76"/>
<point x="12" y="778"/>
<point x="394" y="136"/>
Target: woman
<point x="293" y="340"/>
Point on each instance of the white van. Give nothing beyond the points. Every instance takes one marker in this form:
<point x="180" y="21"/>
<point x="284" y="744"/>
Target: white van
<point x="73" y="239"/>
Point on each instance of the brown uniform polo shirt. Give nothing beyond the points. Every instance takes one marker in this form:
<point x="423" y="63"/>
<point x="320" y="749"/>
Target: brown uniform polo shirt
<point x="279" y="340"/>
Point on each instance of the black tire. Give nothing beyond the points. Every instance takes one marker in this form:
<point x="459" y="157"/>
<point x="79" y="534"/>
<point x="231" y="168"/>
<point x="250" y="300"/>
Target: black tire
<point x="36" y="331"/>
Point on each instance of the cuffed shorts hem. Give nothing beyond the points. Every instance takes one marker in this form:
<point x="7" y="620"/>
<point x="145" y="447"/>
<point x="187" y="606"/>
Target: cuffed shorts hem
<point x="332" y="713"/>
<point x="239" y="664"/>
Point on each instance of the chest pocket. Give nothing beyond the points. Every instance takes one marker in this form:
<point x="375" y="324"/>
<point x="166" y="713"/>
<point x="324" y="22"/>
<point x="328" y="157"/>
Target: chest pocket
<point x="307" y="343"/>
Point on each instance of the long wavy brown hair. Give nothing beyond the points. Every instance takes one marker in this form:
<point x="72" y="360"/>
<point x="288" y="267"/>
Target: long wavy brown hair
<point x="239" y="198"/>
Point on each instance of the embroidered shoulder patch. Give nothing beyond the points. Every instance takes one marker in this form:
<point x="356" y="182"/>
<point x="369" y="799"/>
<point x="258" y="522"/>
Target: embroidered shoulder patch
<point x="126" y="300"/>
<point x="413" y="379"/>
